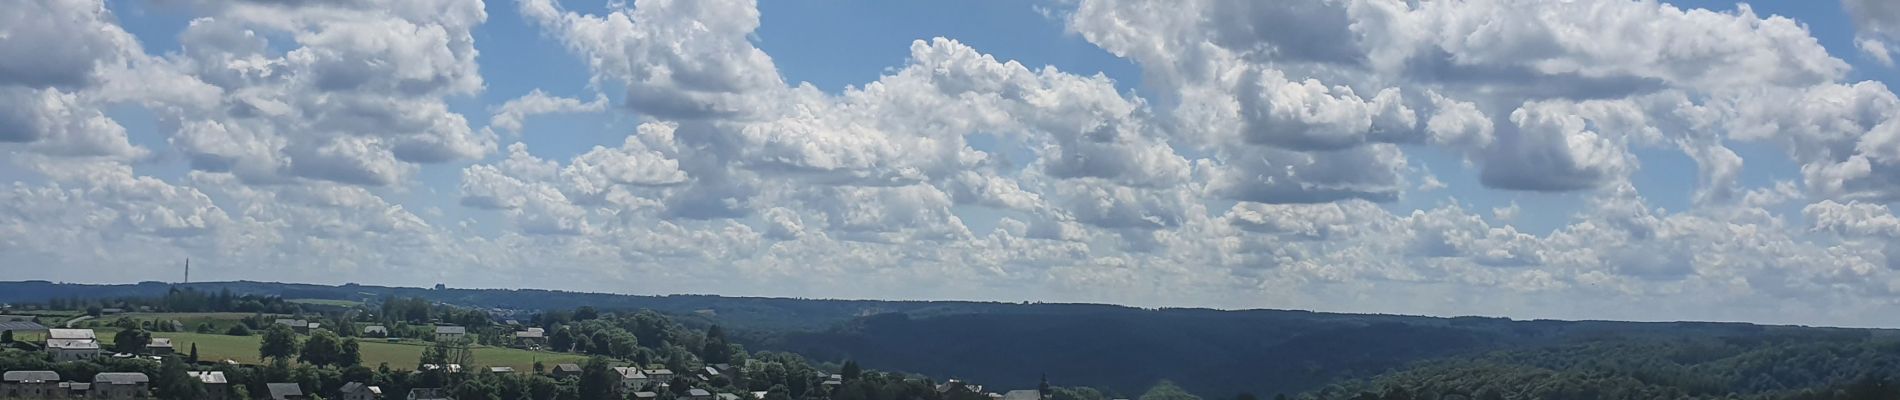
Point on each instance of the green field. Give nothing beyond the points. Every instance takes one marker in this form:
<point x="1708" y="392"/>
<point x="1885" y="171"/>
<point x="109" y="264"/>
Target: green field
<point x="375" y="352"/>
<point x="326" y="302"/>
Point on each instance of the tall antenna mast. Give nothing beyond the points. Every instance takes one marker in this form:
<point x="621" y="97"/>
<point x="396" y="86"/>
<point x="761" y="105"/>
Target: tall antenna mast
<point x="187" y="270"/>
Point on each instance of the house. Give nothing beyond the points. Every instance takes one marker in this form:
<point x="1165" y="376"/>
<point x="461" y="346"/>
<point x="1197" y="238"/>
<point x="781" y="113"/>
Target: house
<point x="22" y="328"/>
<point x="359" y="391"/>
<point x="697" y="394"/>
<point x="631" y="378"/>
<point x="728" y="396"/>
<point x="30" y="385"/>
<point x="660" y="375"/>
<point x="501" y="370"/>
<point x="445" y="333"/>
<point x="428" y="394"/>
<point x="759" y="395"/>
<point x="954" y="384"/>
<point x="646" y="395"/>
<point x="159" y="346"/>
<point x="120" y="385"/>
<point x="313" y="327"/>
<point x="72" y="344"/>
<point x="564" y="370"/>
<point x="376" y="331"/>
<point x="531" y="337"/>
<point x="285" y="391"/>
<point x="215" y="385"/>
<point x="1022" y="395"/>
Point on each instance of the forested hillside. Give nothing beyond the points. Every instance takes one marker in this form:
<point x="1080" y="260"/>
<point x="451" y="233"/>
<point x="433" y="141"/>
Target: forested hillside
<point x="1790" y="365"/>
<point x="1215" y="353"/>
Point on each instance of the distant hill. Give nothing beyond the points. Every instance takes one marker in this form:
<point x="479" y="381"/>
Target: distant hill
<point x="1213" y="353"/>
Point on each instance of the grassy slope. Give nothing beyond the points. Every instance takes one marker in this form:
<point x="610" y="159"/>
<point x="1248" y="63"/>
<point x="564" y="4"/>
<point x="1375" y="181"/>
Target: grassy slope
<point x="399" y="355"/>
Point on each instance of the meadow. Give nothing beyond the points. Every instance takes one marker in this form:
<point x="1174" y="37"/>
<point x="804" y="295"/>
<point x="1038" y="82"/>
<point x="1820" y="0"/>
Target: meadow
<point x="399" y="355"/>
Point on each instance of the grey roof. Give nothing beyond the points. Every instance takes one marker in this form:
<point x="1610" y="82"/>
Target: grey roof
<point x="30" y="376"/>
<point x="294" y="323"/>
<point x="120" y="378"/>
<point x="698" y="392"/>
<point x="353" y="387"/>
<point x="728" y="396"/>
<point x="567" y="367"/>
<point x="160" y="342"/>
<point x="21" y="326"/>
<point x="209" y="377"/>
<point x="71" y="334"/>
<point x="284" y="390"/>
<point x="500" y="370"/>
<point x="661" y="371"/>
<point x="646" y="395"/>
<point x="375" y="328"/>
<point x="1022" y="395"/>
<point x="451" y="330"/>
<point x="73" y="344"/>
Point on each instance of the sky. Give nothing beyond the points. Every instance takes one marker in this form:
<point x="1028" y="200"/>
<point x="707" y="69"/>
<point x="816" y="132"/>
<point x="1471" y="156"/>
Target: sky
<point x="1580" y="159"/>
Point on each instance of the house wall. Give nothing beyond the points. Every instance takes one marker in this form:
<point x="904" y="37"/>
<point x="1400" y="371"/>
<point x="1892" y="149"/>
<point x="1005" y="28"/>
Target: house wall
<point x="108" y="391"/>
<point x="46" y="390"/>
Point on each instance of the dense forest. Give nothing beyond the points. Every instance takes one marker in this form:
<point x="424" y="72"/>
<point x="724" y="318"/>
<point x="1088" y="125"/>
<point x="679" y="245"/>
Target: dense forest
<point x="1775" y="366"/>
<point x="1219" y="354"/>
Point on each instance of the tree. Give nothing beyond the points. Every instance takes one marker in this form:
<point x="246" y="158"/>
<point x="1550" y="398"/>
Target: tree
<point x="280" y="343"/>
<point x="1166" y="390"/>
<point x="131" y="341"/>
<point x="173" y="383"/>
<point x="238" y="330"/>
<point x="194" y="354"/>
<point x="597" y="379"/>
<point x="321" y="349"/>
<point x="6" y="337"/>
<point x="716" y="350"/>
<point x="1043" y="388"/>
<point x="586" y="313"/>
<point x="851" y="371"/>
<point x="352" y="353"/>
<point x="562" y="340"/>
<point x="1246" y="396"/>
<point x="602" y="344"/>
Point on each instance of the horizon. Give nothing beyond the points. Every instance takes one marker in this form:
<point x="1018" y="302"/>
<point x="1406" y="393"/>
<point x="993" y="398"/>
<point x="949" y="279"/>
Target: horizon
<point x="973" y="301"/>
<point x="1646" y="160"/>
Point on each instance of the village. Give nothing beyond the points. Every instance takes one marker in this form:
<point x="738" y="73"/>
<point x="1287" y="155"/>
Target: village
<point x="431" y="360"/>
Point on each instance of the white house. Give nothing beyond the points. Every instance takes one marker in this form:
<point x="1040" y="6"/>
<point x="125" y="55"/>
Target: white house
<point x="446" y="333"/>
<point x="72" y="344"/>
<point x="215" y="384"/>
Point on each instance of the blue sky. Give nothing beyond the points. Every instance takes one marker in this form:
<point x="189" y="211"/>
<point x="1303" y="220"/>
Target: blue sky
<point x="1594" y="159"/>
